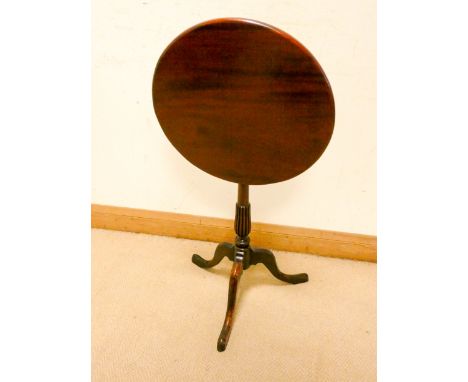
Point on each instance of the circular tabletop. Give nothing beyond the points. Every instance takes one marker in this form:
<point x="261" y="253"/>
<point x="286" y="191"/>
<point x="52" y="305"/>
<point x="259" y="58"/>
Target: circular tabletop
<point x="243" y="101"/>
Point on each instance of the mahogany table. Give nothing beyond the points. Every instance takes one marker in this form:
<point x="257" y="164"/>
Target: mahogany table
<point x="249" y="104"/>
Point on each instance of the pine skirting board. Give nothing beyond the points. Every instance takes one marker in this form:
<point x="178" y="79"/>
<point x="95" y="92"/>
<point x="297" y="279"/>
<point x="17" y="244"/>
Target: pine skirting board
<point x="295" y="239"/>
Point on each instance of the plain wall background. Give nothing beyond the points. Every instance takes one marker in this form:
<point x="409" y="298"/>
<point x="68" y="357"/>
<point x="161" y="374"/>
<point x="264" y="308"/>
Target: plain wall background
<point x="134" y="165"/>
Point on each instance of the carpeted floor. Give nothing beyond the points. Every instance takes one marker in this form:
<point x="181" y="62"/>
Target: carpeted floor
<point x="157" y="317"/>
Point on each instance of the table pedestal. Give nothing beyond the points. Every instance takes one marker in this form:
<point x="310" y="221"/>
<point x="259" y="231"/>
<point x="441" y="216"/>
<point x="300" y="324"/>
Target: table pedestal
<point x="243" y="256"/>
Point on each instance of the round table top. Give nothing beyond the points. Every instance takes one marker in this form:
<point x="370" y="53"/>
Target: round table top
<point x="243" y="101"/>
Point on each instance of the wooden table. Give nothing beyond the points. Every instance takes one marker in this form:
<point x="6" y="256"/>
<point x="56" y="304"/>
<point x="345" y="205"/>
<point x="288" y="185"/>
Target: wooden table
<point x="247" y="103"/>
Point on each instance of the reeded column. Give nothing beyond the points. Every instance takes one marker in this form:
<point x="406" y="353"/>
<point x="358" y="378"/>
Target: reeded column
<point x="242" y="222"/>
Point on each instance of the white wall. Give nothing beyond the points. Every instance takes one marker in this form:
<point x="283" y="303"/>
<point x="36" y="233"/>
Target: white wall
<point x="134" y="165"/>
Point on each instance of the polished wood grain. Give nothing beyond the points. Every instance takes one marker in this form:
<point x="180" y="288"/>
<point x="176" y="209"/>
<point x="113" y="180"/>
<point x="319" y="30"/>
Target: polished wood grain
<point x="243" y="101"/>
<point x="296" y="239"/>
<point x="234" y="279"/>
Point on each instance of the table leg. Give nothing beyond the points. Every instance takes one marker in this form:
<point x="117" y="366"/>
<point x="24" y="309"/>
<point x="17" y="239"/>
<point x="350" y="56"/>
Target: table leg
<point x="222" y="250"/>
<point x="236" y="273"/>
<point x="266" y="257"/>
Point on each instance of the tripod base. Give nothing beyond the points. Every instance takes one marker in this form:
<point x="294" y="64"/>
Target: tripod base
<point x="242" y="259"/>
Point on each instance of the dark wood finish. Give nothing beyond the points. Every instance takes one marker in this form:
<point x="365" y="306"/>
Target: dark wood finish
<point x="243" y="101"/>
<point x="222" y="250"/>
<point x="266" y="257"/>
<point x="236" y="273"/>
<point x="243" y="256"/>
<point x="247" y="103"/>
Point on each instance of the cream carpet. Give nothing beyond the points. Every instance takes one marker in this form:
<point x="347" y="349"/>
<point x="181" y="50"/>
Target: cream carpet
<point x="156" y="316"/>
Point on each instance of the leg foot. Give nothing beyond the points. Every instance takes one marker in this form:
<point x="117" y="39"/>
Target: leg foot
<point x="236" y="274"/>
<point x="223" y="249"/>
<point x="266" y="257"/>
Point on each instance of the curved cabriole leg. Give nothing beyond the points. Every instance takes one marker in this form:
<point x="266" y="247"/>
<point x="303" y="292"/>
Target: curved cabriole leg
<point x="222" y="250"/>
<point x="236" y="274"/>
<point x="266" y="257"/>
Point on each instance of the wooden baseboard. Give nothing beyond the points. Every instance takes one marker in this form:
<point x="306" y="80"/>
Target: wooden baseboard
<point x="315" y="241"/>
